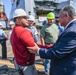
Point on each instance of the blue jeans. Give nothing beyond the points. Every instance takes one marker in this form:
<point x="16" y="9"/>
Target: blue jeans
<point x="47" y="66"/>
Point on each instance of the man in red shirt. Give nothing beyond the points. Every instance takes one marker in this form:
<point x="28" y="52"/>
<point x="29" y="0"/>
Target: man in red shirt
<point x="21" y="38"/>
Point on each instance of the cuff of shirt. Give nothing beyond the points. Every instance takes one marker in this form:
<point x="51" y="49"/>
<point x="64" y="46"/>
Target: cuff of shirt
<point x="38" y="51"/>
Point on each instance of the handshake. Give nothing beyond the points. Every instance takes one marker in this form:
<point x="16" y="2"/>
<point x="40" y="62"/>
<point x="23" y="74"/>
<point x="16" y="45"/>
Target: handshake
<point x="37" y="47"/>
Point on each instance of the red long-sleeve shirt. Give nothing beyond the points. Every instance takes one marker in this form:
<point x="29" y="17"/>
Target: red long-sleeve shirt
<point x="21" y="38"/>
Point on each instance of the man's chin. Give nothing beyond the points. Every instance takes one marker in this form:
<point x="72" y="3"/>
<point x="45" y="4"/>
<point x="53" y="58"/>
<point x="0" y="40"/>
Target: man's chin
<point x="26" y="25"/>
<point x="50" y="23"/>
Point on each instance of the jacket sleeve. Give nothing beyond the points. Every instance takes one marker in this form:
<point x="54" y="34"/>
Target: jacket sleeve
<point x="63" y="47"/>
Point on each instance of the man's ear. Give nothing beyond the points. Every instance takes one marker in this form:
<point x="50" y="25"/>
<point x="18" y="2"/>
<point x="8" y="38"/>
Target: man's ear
<point x="18" y="20"/>
<point x="66" y="15"/>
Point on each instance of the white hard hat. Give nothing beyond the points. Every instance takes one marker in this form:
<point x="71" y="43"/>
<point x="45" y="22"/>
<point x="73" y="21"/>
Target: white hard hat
<point x="19" y="12"/>
<point x="0" y="24"/>
<point x="11" y="22"/>
<point x="32" y="18"/>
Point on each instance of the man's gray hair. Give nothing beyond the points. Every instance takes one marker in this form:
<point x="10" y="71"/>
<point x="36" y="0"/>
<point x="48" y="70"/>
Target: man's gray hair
<point x="70" y="10"/>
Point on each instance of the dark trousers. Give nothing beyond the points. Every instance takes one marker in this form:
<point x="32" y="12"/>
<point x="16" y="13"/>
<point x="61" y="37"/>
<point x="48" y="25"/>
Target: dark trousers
<point x="4" y="48"/>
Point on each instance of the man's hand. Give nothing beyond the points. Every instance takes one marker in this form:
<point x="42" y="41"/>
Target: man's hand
<point x="33" y="49"/>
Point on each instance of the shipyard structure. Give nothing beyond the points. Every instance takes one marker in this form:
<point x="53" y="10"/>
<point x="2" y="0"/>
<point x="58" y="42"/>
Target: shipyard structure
<point x="3" y="17"/>
<point x="40" y="8"/>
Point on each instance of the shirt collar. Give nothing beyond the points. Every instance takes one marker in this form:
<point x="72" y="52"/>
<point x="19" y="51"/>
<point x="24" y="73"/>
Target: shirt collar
<point x="69" y="23"/>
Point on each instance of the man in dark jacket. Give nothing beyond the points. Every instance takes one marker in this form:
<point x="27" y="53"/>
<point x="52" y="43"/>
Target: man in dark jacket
<point x="63" y="53"/>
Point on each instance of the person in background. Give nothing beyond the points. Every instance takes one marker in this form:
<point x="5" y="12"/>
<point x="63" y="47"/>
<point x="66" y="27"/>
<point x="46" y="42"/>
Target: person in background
<point x="21" y="38"/>
<point x="63" y="52"/>
<point x="11" y="24"/>
<point x="61" y="28"/>
<point x="48" y="35"/>
<point x="3" y="38"/>
<point x="32" y="28"/>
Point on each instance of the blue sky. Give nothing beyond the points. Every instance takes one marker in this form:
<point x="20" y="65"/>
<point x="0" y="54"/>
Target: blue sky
<point x="7" y="4"/>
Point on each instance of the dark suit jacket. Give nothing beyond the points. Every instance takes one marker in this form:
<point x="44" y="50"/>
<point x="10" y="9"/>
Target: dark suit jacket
<point x="63" y="53"/>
